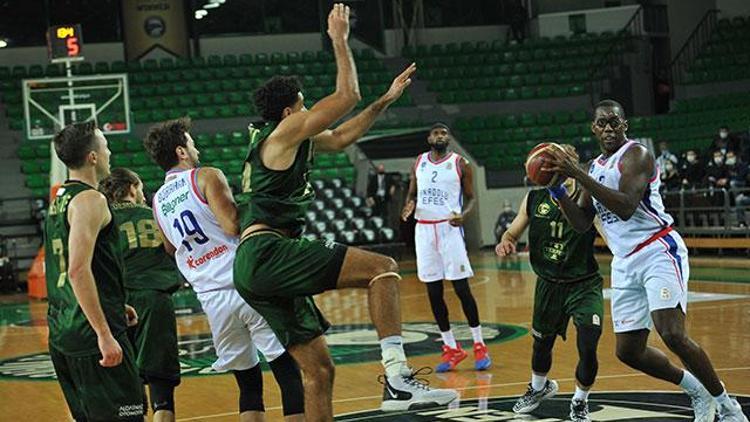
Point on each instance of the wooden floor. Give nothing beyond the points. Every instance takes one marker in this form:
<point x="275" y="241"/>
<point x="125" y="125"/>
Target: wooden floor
<point x="504" y="291"/>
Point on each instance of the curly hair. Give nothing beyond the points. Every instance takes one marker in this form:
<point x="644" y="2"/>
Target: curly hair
<point x="117" y="185"/>
<point x="162" y="139"/>
<point x="275" y="95"/>
<point x="74" y="142"/>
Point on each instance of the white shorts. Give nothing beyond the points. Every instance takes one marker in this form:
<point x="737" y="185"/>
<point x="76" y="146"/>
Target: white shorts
<point x="441" y="252"/>
<point x="656" y="277"/>
<point x="238" y="331"/>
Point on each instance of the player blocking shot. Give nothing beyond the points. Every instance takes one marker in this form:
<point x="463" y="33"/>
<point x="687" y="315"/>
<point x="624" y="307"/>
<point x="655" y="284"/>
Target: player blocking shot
<point x="277" y="272"/>
<point x="649" y="269"/>
<point x="440" y="182"/>
<point x="197" y="217"/>
<point x="568" y="286"/>
<point x="93" y="359"/>
<point x="150" y="279"/>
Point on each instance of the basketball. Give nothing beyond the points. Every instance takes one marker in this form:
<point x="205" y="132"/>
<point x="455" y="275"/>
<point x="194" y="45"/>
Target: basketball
<point x="536" y="161"/>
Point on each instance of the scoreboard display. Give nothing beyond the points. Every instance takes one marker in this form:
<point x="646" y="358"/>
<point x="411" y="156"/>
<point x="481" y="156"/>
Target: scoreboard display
<point x="64" y="41"/>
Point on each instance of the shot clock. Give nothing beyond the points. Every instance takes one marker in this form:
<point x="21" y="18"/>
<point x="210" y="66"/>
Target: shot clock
<point x="64" y="41"/>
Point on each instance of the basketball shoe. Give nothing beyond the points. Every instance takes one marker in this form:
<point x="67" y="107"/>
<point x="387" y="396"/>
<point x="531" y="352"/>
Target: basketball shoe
<point x="482" y="359"/>
<point x="450" y="358"/>
<point x="404" y="391"/>
<point x="533" y="398"/>
<point x="579" y="411"/>
<point x="732" y="412"/>
<point x="703" y="404"/>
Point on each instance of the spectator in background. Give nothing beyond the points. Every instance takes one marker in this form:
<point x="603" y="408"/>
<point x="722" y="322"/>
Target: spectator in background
<point x="738" y="180"/>
<point x="717" y="174"/>
<point x="725" y="141"/>
<point x="670" y="177"/>
<point x="692" y="171"/>
<point x="380" y="189"/>
<point x="518" y="19"/>
<point x="503" y="220"/>
<point x="665" y="156"/>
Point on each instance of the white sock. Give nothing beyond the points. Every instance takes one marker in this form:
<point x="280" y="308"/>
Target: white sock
<point x="581" y="394"/>
<point x="538" y="381"/>
<point x="448" y="339"/>
<point x="394" y="358"/>
<point x="723" y="399"/>
<point x="476" y="332"/>
<point x="689" y="381"/>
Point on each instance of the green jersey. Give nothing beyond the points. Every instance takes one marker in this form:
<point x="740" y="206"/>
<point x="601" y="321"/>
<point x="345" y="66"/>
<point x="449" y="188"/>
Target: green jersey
<point x="69" y="330"/>
<point x="276" y="198"/>
<point x="147" y="265"/>
<point x="556" y="251"/>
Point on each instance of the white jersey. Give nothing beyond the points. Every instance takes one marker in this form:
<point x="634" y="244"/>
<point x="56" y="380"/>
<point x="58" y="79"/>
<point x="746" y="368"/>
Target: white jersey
<point x="439" y="191"/>
<point x="623" y="237"/>
<point x="205" y="254"/>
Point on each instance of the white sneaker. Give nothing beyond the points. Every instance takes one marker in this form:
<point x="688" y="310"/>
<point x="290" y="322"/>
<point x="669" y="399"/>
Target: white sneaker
<point x="579" y="411"/>
<point x="703" y="404"/>
<point x="732" y="413"/>
<point x="405" y="391"/>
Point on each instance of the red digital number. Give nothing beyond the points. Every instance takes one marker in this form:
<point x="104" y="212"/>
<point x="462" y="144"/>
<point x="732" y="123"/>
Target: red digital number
<point x="73" y="48"/>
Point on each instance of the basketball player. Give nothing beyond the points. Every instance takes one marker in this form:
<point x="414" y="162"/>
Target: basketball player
<point x="568" y="285"/>
<point x="88" y="344"/>
<point x="277" y="272"/>
<point x="650" y="268"/>
<point x="440" y="181"/>
<point x="197" y="217"/>
<point x="150" y="279"/>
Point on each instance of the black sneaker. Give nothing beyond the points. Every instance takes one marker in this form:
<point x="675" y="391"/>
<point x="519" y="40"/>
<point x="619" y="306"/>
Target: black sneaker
<point x="579" y="411"/>
<point x="533" y="398"/>
<point x="404" y="391"/>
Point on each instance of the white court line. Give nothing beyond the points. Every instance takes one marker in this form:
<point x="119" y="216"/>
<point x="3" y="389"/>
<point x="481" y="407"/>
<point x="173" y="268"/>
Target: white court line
<point x="508" y="384"/>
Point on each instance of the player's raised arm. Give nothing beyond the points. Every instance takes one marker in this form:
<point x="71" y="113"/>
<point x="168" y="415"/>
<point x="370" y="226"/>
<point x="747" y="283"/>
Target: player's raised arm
<point x="411" y="195"/>
<point x="351" y="130"/>
<point x="507" y="245"/>
<point x="300" y="126"/>
<point x="87" y="214"/>
<point x="213" y="184"/>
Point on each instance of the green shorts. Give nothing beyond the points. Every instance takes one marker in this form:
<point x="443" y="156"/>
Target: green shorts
<point x="556" y="303"/>
<point x="278" y="276"/>
<point x="95" y="393"/>
<point x="155" y="336"/>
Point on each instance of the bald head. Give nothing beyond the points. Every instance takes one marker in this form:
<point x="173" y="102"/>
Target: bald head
<point x="610" y="106"/>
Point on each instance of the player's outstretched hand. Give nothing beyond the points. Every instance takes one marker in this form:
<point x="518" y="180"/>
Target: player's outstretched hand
<point x="131" y="316"/>
<point x="562" y="162"/>
<point x="110" y="350"/>
<point x="408" y="209"/>
<point x="338" y="22"/>
<point x="399" y="84"/>
<point x="505" y="248"/>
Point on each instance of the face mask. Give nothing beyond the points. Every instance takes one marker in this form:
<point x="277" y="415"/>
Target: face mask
<point x="669" y="167"/>
<point x="731" y="161"/>
<point x="691" y="159"/>
<point x="722" y="135"/>
<point x="717" y="160"/>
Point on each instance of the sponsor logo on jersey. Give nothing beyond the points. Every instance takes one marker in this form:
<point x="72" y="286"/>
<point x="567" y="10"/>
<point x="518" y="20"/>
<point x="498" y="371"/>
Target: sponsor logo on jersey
<point x="354" y="343"/>
<point x="170" y="188"/>
<point x="543" y="209"/>
<point x="652" y="406"/>
<point x="170" y="206"/>
<point x="213" y="253"/>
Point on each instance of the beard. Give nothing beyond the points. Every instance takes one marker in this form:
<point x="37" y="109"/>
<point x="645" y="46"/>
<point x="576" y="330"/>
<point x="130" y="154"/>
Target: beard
<point x="439" y="148"/>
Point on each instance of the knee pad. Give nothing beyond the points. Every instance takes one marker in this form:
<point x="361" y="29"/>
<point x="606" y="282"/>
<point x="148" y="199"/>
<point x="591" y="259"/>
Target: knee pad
<point x="289" y="378"/>
<point x="385" y="275"/>
<point x="162" y="394"/>
<point x="250" y="382"/>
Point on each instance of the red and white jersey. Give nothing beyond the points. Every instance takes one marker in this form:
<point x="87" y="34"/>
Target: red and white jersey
<point x="623" y="237"/>
<point x="439" y="188"/>
<point x="205" y="254"/>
